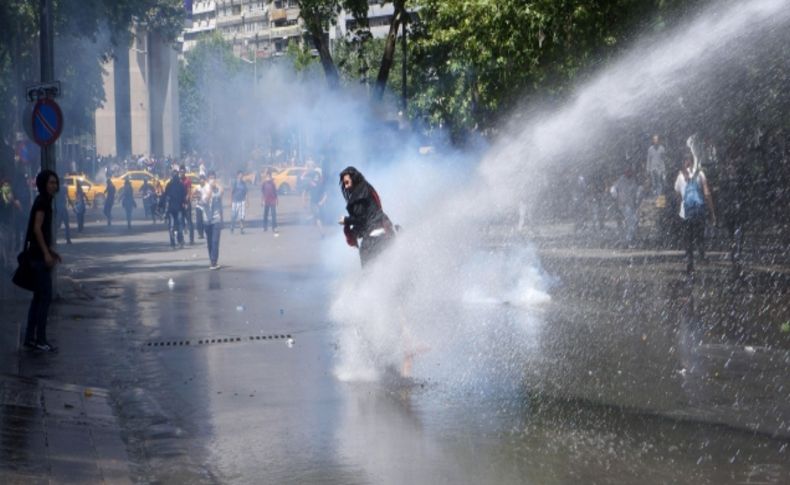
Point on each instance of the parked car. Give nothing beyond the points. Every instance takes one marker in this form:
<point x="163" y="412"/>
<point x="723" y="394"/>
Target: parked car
<point x="292" y="179"/>
<point x="94" y="193"/>
<point x="136" y="177"/>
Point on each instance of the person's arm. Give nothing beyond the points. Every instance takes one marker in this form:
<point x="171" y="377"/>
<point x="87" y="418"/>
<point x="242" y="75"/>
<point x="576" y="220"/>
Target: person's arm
<point x="50" y="258"/>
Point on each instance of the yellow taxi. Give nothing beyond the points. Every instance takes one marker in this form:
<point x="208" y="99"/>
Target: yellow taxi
<point x="137" y="177"/>
<point x="94" y="192"/>
<point x="292" y="179"/>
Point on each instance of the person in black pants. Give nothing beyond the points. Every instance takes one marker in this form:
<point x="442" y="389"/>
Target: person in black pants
<point x="172" y="202"/>
<point x="211" y="204"/>
<point x="43" y="258"/>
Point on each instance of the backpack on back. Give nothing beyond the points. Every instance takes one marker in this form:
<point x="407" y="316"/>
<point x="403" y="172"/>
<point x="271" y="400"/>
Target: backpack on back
<point x="693" y="199"/>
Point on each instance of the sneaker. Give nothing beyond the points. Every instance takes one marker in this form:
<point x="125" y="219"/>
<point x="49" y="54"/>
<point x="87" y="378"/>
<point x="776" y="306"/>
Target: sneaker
<point x="215" y="266"/>
<point x="29" y="344"/>
<point x="45" y="347"/>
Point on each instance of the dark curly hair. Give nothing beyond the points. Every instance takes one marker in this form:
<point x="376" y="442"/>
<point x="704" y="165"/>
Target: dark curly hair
<point x="357" y="180"/>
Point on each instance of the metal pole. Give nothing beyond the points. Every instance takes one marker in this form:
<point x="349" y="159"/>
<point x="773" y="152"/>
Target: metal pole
<point x="46" y="39"/>
<point x="47" y="45"/>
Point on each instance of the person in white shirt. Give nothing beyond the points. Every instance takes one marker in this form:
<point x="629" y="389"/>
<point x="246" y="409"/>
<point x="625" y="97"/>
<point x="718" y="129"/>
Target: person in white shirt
<point x="656" y="166"/>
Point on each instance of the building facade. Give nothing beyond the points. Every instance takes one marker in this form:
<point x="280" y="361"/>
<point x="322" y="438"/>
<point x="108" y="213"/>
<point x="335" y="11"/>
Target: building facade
<point x="255" y="28"/>
<point x="140" y="114"/>
<point x="264" y="28"/>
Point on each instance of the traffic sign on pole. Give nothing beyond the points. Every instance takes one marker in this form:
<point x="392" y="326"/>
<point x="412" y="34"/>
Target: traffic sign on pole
<point x="47" y="122"/>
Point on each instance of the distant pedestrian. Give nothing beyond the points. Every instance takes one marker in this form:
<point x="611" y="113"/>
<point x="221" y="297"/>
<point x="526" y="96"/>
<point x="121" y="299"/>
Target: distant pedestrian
<point x="172" y="204"/>
<point x="317" y="192"/>
<point x="238" y="197"/>
<point x="211" y="202"/>
<point x="366" y="226"/>
<point x="80" y="206"/>
<point x="109" y="201"/>
<point x="186" y="204"/>
<point x="656" y="166"/>
<point x="269" y="202"/>
<point x="43" y="258"/>
<point x="62" y="214"/>
<point x="127" y="201"/>
<point x="628" y="195"/>
<point x="696" y="204"/>
<point x="8" y="207"/>
<point x="199" y="216"/>
<point x="148" y="194"/>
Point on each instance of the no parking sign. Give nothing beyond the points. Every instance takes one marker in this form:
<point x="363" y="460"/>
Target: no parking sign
<point x="47" y="122"/>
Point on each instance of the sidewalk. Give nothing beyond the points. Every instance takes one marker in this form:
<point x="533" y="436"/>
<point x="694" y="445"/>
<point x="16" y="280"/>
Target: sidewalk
<point x="58" y="433"/>
<point x="50" y="431"/>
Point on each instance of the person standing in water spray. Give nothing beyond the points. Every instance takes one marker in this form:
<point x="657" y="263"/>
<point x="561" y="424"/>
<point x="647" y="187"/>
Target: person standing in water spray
<point x="366" y="226"/>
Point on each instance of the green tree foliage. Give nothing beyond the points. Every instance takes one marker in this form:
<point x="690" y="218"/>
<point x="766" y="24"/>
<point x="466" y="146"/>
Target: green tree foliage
<point x="318" y="16"/>
<point x="86" y="33"/>
<point x="473" y="59"/>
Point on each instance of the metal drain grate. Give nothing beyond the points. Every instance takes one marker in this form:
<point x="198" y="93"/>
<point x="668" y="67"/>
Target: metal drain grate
<point x="221" y="340"/>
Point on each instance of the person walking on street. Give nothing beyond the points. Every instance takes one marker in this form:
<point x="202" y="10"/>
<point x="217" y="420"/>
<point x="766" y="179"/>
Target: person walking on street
<point x="149" y="200"/>
<point x="80" y="206"/>
<point x="109" y="201"/>
<point x="269" y="202"/>
<point x="238" y="197"/>
<point x="656" y="166"/>
<point x="199" y="216"/>
<point x="9" y="205"/>
<point x="211" y="202"/>
<point x="127" y="201"/>
<point x="38" y="244"/>
<point x="186" y="204"/>
<point x="62" y="214"/>
<point x="172" y="205"/>
<point x="366" y="226"/>
<point x="317" y="193"/>
<point x="696" y="204"/>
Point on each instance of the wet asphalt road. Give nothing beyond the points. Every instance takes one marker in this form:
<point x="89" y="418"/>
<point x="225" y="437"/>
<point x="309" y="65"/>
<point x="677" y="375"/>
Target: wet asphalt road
<point x="247" y="407"/>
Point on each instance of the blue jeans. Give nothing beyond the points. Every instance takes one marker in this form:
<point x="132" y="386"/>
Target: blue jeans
<point x="213" y="232"/>
<point x="174" y="225"/>
<point x="39" y="307"/>
<point x="266" y="209"/>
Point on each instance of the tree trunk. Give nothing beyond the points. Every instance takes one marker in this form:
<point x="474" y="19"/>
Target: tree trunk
<point x="389" y="49"/>
<point x="330" y="71"/>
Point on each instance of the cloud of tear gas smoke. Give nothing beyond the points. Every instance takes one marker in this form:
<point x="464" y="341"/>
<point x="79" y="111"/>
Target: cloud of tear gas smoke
<point x="452" y="291"/>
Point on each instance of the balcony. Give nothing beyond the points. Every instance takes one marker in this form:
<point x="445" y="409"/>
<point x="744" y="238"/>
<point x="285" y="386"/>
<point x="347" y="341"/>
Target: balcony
<point x="287" y="31"/>
<point x="278" y="14"/>
<point x="203" y="7"/>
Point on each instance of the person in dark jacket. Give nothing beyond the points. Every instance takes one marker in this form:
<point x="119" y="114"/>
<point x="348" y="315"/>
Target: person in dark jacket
<point x="172" y="204"/>
<point x="43" y="258"/>
<point x="366" y="226"/>
<point x="109" y="201"/>
<point x="127" y="201"/>
<point x="80" y="206"/>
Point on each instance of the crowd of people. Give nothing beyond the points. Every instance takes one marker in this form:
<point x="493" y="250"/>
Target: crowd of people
<point x="680" y="205"/>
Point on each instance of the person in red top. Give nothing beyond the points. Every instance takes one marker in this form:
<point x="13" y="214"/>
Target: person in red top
<point x="186" y="208"/>
<point x="269" y="202"/>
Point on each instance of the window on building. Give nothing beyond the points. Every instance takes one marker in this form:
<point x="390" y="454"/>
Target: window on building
<point x="236" y="9"/>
